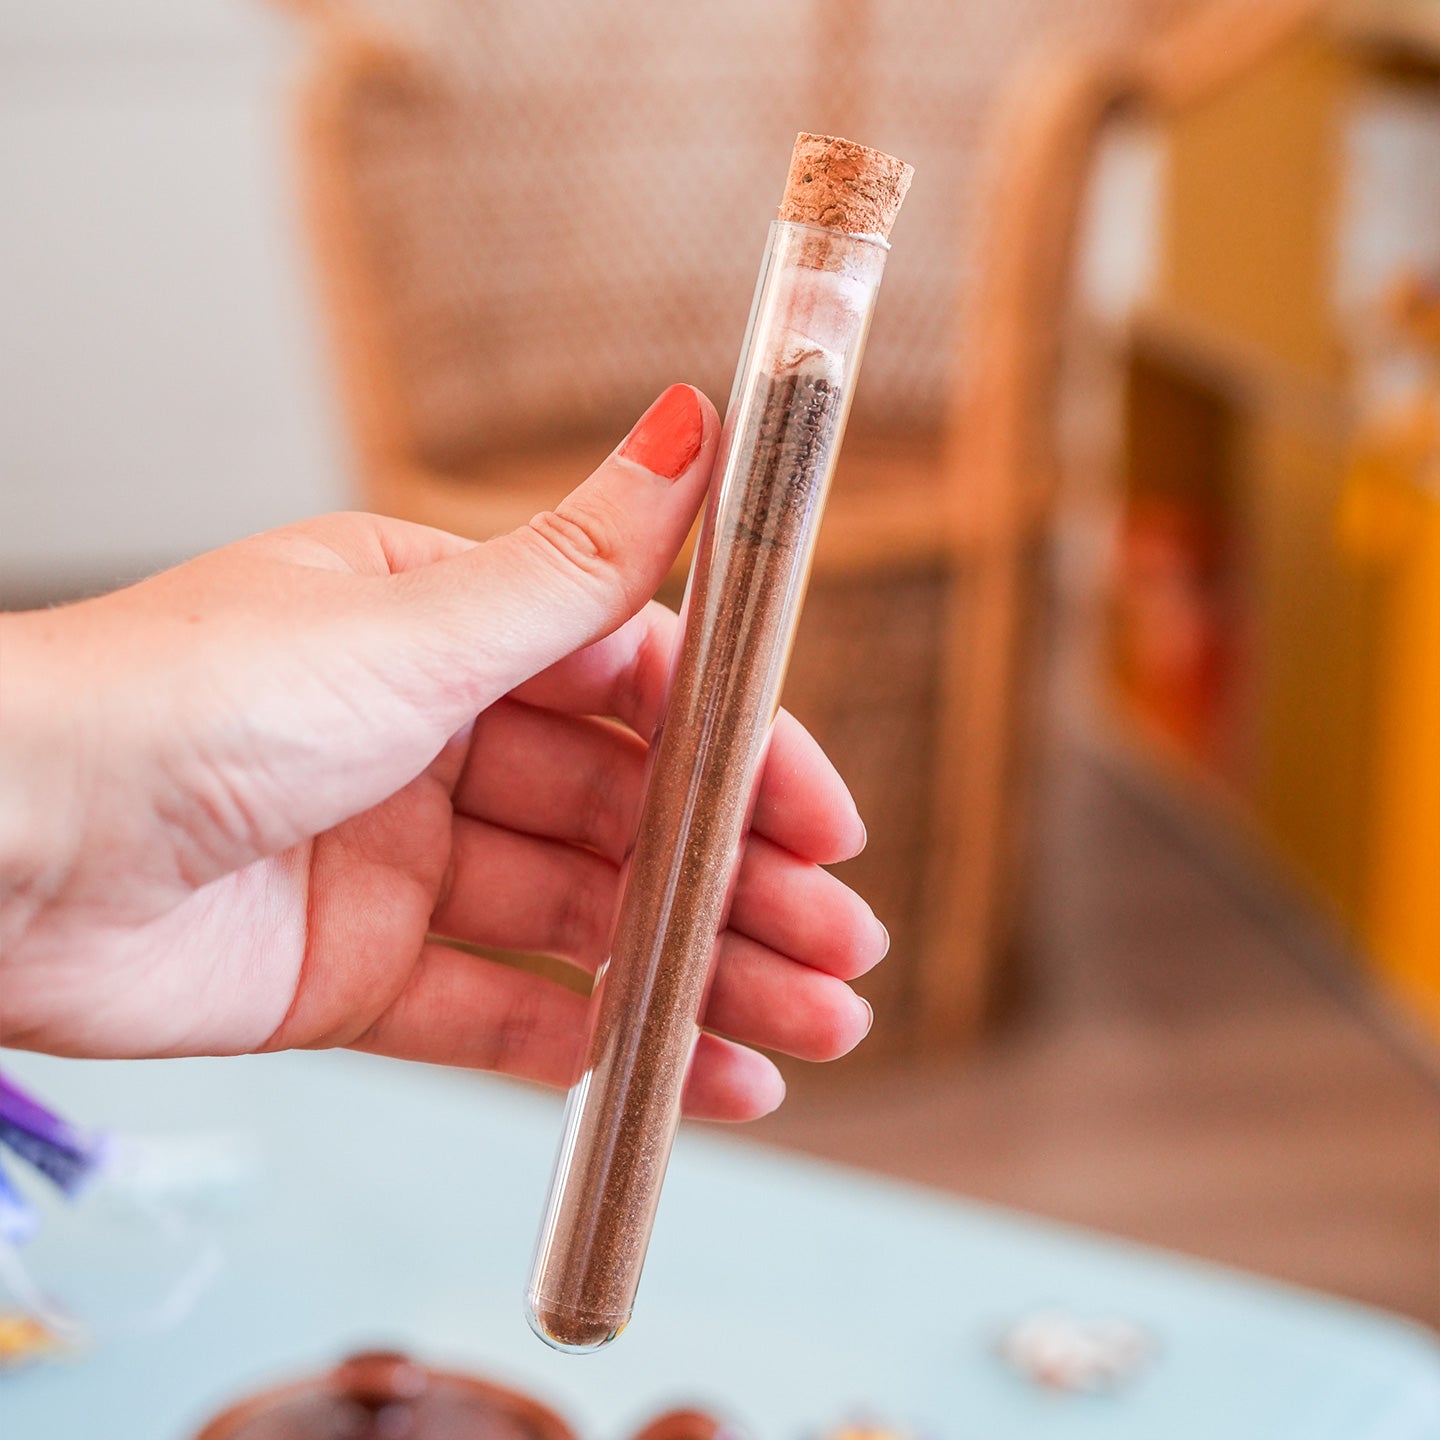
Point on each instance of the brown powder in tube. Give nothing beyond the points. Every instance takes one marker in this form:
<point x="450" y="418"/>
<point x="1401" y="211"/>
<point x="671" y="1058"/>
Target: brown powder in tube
<point x="700" y="779"/>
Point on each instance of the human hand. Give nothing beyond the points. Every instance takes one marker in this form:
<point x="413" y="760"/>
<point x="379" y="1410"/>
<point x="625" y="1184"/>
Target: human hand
<point x="239" y="799"/>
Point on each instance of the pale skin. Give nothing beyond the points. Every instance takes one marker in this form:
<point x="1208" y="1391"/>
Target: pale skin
<point x="244" y="803"/>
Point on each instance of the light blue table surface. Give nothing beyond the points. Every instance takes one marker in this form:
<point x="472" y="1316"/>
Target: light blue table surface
<point x="398" y="1204"/>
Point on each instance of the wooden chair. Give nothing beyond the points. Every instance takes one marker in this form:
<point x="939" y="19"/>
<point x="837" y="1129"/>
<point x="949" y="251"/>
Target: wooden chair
<point x="513" y="264"/>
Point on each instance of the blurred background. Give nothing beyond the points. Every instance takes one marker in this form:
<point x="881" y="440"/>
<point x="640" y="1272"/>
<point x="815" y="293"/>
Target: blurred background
<point x="1126" y="622"/>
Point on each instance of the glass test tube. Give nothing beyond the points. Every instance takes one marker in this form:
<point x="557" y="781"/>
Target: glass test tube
<point x="783" y="428"/>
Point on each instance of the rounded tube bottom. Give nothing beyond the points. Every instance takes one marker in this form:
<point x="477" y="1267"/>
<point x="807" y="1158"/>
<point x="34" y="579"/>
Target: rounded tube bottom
<point x="571" y="1331"/>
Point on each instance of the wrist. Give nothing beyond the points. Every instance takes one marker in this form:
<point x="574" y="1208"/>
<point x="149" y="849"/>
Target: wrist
<point x="39" y="770"/>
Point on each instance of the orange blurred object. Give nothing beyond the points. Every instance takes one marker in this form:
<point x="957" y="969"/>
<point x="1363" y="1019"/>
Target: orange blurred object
<point x="1171" y="652"/>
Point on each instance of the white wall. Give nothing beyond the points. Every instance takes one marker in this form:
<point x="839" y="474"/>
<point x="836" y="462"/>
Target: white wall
<point x="163" y="381"/>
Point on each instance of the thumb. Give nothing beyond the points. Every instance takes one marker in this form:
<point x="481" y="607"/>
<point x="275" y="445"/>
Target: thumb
<point x="503" y="611"/>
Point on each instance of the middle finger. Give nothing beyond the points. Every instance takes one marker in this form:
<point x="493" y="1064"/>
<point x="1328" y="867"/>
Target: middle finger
<point x="578" y="779"/>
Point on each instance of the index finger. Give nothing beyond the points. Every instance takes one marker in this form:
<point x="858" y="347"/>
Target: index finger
<point x="623" y="675"/>
<point x="803" y="804"/>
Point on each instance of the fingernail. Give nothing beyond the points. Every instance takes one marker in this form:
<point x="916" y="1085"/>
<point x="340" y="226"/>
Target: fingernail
<point x="870" y="1011"/>
<point x="884" y="934"/>
<point x="778" y="1101"/>
<point x="856" y="848"/>
<point x="668" y="436"/>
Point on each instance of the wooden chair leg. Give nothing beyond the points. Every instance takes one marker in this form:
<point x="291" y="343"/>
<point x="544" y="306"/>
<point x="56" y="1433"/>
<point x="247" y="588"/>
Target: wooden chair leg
<point x="971" y="841"/>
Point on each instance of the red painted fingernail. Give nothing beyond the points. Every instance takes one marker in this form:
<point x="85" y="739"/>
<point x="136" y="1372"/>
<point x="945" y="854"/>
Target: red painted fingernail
<point x="669" y="434"/>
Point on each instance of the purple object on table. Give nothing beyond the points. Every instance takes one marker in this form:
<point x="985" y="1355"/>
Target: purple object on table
<point x="37" y="1135"/>
<point x="17" y="1218"/>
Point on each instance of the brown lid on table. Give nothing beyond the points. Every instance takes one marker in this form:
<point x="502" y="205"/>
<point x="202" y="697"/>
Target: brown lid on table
<point x="385" y="1395"/>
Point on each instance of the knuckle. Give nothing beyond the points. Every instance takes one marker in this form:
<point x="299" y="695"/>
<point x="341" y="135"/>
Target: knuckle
<point x="599" y="813"/>
<point x="584" y="539"/>
<point x="515" y="1030"/>
<point x="648" y="674"/>
<point x="582" y="915"/>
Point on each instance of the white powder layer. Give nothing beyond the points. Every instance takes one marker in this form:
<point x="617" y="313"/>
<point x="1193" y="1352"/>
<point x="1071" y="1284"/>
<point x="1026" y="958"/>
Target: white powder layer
<point x="820" y="313"/>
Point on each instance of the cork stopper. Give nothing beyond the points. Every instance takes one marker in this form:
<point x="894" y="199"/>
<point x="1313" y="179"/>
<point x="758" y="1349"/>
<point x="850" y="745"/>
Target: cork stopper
<point x="844" y="186"/>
